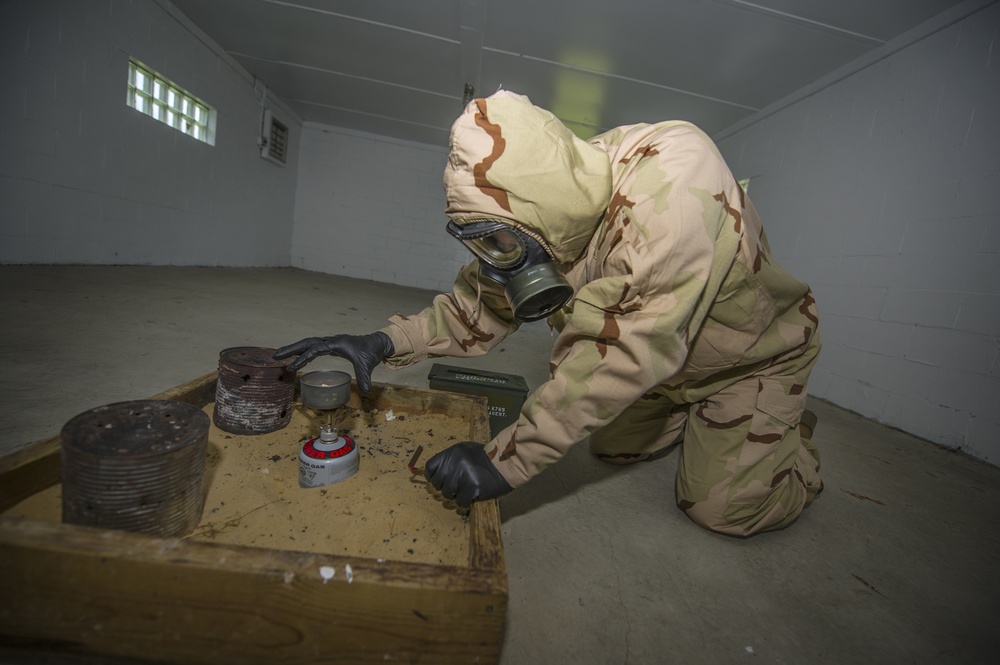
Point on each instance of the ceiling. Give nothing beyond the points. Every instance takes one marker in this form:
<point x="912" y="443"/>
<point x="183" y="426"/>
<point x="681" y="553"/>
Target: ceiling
<point x="399" y="67"/>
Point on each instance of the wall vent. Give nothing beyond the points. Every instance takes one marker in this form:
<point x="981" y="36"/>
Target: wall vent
<point x="274" y="142"/>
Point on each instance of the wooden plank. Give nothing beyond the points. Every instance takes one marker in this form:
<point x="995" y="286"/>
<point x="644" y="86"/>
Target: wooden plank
<point x="112" y="593"/>
<point x="196" y="392"/>
<point x="485" y="544"/>
<point x="28" y="471"/>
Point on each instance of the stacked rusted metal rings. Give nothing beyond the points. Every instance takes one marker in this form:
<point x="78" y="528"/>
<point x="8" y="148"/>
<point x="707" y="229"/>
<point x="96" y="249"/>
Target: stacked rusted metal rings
<point x="137" y="466"/>
<point x="255" y="392"/>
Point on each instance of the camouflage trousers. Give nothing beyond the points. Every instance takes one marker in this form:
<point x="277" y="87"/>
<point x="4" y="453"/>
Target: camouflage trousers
<point x="745" y="465"/>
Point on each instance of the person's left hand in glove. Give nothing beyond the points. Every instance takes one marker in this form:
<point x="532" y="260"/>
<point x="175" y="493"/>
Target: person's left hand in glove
<point x="364" y="352"/>
<point x="464" y="473"/>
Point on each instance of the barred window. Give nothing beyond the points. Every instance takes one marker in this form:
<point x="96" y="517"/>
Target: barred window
<point x="150" y="93"/>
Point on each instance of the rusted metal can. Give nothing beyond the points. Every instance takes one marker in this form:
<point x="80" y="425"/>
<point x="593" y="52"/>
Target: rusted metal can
<point x="137" y="466"/>
<point x="255" y="392"/>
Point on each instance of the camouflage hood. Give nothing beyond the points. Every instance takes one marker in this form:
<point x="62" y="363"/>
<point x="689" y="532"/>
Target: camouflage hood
<point x="514" y="162"/>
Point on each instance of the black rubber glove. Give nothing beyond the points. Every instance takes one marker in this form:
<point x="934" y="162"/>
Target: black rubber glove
<point x="464" y="473"/>
<point x="364" y="352"/>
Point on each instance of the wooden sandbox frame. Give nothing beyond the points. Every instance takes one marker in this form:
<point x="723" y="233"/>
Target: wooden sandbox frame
<point x="96" y="591"/>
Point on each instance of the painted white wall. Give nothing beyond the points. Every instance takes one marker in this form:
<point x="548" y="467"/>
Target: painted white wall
<point x="86" y="179"/>
<point x="372" y="207"/>
<point x="882" y="190"/>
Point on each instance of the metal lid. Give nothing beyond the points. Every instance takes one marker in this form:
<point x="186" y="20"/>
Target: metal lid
<point x="136" y="429"/>
<point x="253" y="356"/>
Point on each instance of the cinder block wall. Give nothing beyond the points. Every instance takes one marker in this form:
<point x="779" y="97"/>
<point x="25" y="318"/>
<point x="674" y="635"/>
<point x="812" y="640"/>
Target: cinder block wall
<point x="372" y="207"/>
<point x="882" y="190"/>
<point x="86" y="179"/>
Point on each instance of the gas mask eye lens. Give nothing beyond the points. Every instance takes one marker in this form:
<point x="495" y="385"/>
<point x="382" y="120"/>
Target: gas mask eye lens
<point x="501" y="249"/>
<point x="493" y="242"/>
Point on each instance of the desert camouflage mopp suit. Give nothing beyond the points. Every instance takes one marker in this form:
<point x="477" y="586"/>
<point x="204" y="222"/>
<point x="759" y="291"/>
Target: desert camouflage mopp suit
<point x="683" y="328"/>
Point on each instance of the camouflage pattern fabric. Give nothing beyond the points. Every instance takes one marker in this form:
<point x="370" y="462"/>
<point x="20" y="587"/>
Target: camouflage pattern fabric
<point x="682" y="327"/>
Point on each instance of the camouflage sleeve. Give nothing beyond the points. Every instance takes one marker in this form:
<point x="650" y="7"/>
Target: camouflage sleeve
<point x="469" y="321"/>
<point x="655" y="268"/>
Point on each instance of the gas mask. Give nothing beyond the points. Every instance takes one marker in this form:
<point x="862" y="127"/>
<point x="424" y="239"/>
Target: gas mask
<point x="534" y="286"/>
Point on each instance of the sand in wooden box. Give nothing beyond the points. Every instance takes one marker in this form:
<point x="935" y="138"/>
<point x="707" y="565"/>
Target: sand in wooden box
<point x="203" y="600"/>
<point x="383" y="512"/>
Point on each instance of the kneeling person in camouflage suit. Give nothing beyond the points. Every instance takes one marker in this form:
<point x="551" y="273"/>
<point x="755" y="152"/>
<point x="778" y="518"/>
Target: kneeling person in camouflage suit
<point x="675" y="323"/>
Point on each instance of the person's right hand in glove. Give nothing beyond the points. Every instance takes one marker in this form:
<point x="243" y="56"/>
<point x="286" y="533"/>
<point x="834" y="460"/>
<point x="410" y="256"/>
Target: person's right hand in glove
<point x="364" y="352"/>
<point x="464" y="473"/>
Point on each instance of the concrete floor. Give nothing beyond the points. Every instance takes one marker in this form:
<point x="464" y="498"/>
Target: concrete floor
<point x="896" y="562"/>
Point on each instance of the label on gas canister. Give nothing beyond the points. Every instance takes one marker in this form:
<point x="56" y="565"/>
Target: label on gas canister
<point x="318" y="468"/>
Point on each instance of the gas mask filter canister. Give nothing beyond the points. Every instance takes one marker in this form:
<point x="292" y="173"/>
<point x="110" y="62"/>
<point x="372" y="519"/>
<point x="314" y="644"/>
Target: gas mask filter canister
<point x="533" y="284"/>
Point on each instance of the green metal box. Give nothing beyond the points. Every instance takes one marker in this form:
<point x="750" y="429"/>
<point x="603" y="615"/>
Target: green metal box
<point x="504" y="393"/>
